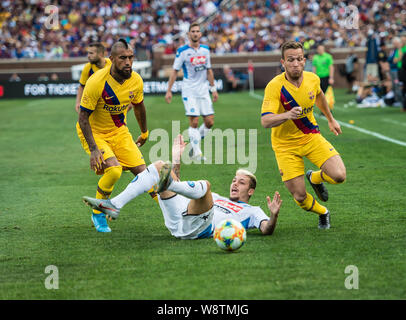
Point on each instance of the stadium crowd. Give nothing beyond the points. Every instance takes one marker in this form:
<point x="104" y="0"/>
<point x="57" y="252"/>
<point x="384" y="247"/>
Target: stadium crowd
<point x="242" y="26"/>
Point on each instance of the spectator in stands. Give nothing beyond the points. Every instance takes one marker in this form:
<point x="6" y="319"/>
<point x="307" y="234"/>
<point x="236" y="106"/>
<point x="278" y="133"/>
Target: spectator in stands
<point x="396" y="44"/>
<point x="233" y="26"/>
<point x="43" y="77"/>
<point x="236" y="80"/>
<point x="371" y="67"/>
<point x="402" y="78"/>
<point x="351" y="70"/>
<point x="14" y="78"/>
<point x="54" y="77"/>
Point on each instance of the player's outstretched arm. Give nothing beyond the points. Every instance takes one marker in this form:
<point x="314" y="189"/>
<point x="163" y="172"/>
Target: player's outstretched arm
<point x="268" y="227"/>
<point x="322" y="104"/>
<point x="79" y="97"/>
<point x="177" y="149"/>
<point x="171" y="81"/>
<point x="96" y="157"/>
<point x="141" y="115"/>
<point x="210" y="77"/>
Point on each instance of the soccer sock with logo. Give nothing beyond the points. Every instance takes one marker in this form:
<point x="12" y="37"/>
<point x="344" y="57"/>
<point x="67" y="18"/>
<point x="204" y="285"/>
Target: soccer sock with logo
<point x="318" y="177"/>
<point x="194" y="137"/>
<point x="203" y="130"/>
<point x="107" y="182"/>
<point x="189" y="189"/>
<point x="142" y="183"/>
<point x="310" y="204"/>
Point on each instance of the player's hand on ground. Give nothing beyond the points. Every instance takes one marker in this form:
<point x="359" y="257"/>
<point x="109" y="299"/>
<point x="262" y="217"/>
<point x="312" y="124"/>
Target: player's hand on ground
<point x="140" y="141"/>
<point x="168" y="96"/>
<point x="96" y="160"/>
<point x="334" y="127"/>
<point x="177" y="148"/>
<point x="215" y="96"/>
<point x="274" y="205"/>
<point x="294" y="113"/>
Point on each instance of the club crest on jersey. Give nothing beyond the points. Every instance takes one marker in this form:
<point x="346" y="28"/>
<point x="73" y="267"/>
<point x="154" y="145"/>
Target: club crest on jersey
<point x="199" y="60"/>
<point x="311" y="95"/>
<point x="131" y="96"/>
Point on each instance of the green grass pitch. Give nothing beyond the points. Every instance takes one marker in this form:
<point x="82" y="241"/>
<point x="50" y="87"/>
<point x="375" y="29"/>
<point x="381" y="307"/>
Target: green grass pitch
<point x="44" y="173"/>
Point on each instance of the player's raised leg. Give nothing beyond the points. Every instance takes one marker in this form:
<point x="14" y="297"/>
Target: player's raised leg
<point x="142" y="183"/>
<point x="306" y="201"/>
<point x="332" y="171"/>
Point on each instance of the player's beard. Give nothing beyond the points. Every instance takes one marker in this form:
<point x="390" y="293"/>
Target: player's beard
<point x="95" y="61"/>
<point x="295" y="75"/>
<point x="124" y="73"/>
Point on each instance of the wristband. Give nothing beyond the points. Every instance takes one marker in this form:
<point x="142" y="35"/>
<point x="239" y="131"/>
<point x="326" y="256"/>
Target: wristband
<point x="213" y="89"/>
<point x="144" y="135"/>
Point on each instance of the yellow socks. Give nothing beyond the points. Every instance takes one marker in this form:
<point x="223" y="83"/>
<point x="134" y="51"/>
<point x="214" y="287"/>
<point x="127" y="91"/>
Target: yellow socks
<point x="106" y="183"/>
<point x="310" y="204"/>
<point x="153" y="194"/>
<point x="318" y="177"/>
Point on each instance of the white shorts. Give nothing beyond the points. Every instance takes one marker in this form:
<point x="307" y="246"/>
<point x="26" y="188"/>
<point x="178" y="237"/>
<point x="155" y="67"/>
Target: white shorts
<point x="185" y="226"/>
<point x="197" y="106"/>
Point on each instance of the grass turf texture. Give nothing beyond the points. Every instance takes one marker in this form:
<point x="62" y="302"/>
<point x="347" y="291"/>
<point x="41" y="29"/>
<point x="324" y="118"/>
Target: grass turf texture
<point x="45" y="172"/>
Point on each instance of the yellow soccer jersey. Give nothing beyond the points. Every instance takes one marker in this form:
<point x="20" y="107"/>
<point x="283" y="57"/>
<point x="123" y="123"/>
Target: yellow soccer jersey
<point x="281" y="96"/>
<point x="107" y="101"/>
<point x="89" y="69"/>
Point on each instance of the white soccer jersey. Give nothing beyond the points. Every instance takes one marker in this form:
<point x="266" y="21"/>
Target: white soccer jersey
<point x="249" y="216"/>
<point x="194" y="64"/>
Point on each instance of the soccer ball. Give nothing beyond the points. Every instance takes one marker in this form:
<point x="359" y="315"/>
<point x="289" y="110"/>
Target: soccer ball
<point x="230" y="235"/>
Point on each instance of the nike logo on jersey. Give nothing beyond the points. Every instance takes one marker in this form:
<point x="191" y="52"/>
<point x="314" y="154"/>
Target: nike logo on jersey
<point x="285" y="103"/>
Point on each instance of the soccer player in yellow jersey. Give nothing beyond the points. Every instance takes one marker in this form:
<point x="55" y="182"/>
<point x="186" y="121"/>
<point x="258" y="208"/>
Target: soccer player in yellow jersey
<point x="97" y="61"/>
<point x="287" y="108"/>
<point x="102" y="125"/>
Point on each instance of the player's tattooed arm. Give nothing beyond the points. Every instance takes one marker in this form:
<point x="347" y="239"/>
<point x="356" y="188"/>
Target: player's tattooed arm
<point x="96" y="157"/>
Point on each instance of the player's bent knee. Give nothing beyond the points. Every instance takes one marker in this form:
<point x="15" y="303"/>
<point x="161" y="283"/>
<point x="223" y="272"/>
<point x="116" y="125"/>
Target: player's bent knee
<point x="300" y="197"/>
<point x="209" y="124"/>
<point x="208" y="185"/>
<point x="340" y="176"/>
<point x="114" y="172"/>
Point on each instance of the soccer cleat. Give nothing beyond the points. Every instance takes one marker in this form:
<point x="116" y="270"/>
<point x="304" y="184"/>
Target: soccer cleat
<point x="165" y="178"/>
<point x="100" y="222"/>
<point x="324" y="220"/>
<point x="104" y="206"/>
<point x="320" y="189"/>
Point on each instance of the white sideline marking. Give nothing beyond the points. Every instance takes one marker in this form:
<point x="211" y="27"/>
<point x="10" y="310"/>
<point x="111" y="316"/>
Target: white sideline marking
<point x="371" y="133"/>
<point x="344" y="124"/>
<point x="398" y="123"/>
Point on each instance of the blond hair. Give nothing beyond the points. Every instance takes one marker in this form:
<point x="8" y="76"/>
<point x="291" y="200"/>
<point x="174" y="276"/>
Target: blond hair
<point x="253" y="178"/>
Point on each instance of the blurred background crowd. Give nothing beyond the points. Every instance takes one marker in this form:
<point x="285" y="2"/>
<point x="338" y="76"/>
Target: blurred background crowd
<point x="235" y="26"/>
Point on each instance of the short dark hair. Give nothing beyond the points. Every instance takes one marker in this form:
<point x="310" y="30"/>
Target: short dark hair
<point x="99" y="46"/>
<point x="121" y="43"/>
<point x="290" y="45"/>
<point x="194" y="24"/>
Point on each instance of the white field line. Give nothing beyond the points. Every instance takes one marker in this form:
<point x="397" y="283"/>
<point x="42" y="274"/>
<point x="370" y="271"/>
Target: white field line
<point x="344" y="124"/>
<point x="398" y="123"/>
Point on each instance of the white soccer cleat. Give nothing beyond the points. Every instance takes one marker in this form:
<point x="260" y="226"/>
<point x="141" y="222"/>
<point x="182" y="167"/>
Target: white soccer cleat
<point x="102" y="205"/>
